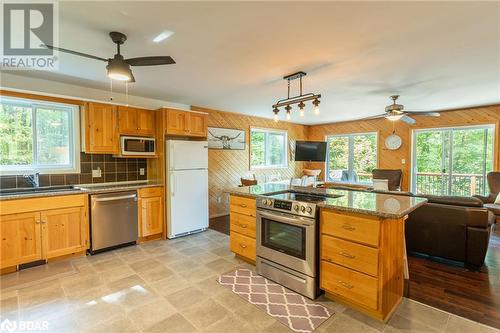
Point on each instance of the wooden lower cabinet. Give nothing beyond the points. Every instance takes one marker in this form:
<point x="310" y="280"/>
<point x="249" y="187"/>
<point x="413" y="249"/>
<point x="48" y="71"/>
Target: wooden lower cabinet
<point x="20" y="237"/>
<point x="63" y="231"/>
<point x="29" y="233"/>
<point x="151" y="211"/>
<point x="242" y="227"/>
<point x="362" y="261"/>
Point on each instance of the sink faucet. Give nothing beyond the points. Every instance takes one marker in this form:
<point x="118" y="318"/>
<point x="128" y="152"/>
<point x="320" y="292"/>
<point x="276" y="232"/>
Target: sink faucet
<point x="34" y="179"/>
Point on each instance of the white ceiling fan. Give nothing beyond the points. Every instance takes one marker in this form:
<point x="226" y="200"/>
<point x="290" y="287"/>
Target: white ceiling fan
<point x="396" y="112"/>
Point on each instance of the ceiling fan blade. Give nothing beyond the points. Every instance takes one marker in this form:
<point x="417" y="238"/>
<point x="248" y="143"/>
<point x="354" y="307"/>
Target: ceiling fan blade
<point x="430" y="114"/>
<point x="150" y="61"/>
<point x="74" y="52"/>
<point x="374" y="117"/>
<point x="408" y="120"/>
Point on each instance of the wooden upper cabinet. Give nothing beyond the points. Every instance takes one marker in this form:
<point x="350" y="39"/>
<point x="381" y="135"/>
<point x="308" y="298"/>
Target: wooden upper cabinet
<point x="185" y="123"/>
<point x="20" y="239"/>
<point x="63" y="231"/>
<point x="198" y="124"/>
<point x="134" y="121"/>
<point x="100" y="128"/>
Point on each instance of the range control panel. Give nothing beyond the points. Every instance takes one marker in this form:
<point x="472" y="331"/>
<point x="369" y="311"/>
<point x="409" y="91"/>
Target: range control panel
<point x="288" y="206"/>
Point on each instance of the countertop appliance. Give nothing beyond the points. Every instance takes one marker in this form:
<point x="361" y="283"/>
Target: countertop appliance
<point x="287" y="240"/>
<point x="187" y="187"/>
<point x="113" y="220"/>
<point x="136" y="145"/>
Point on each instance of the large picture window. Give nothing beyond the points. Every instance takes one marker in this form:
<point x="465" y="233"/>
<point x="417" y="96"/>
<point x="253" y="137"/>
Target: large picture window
<point x="351" y="157"/>
<point x="452" y="161"/>
<point x="38" y="137"/>
<point x="268" y="148"/>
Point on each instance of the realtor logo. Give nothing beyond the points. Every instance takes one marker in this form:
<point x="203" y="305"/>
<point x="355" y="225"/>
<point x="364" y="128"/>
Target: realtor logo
<point x="27" y="27"/>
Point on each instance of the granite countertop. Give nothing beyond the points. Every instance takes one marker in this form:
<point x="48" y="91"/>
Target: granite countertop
<point x="385" y="205"/>
<point x="85" y="189"/>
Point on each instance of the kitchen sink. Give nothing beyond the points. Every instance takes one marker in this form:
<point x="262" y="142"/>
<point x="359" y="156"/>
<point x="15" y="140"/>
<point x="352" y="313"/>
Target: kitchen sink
<point x="44" y="189"/>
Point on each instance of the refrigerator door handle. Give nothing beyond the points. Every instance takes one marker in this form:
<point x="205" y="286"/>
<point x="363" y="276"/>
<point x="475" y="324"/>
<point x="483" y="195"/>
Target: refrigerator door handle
<point x="172" y="185"/>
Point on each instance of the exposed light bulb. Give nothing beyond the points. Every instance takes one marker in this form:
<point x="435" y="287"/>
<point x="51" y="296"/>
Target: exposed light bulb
<point x="287" y="115"/>
<point x="316" y="109"/>
<point x="301" y="112"/>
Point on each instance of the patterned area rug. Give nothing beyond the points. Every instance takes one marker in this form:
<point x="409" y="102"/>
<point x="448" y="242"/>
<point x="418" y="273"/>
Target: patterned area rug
<point x="290" y="308"/>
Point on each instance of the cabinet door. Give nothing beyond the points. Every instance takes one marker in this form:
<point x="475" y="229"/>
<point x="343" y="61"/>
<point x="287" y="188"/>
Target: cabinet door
<point x="127" y="120"/>
<point x="20" y="237"/>
<point x="63" y="231"/>
<point x="101" y="121"/>
<point x="177" y="122"/>
<point x="151" y="216"/>
<point x="198" y="124"/>
<point x="146" y="122"/>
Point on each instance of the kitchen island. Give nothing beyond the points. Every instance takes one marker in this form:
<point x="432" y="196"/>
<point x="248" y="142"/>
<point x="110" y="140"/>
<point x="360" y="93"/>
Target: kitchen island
<point x="362" y="257"/>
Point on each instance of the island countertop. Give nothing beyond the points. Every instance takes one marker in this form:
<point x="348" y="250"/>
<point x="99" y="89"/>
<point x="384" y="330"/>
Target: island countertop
<point x="384" y="205"/>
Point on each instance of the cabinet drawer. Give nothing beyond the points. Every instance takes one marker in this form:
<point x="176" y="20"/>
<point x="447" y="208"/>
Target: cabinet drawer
<point x="359" y="257"/>
<point x="243" y="224"/>
<point x="242" y="245"/>
<point x="150" y="192"/>
<point x="356" y="287"/>
<point x="355" y="228"/>
<point x="245" y="206"/>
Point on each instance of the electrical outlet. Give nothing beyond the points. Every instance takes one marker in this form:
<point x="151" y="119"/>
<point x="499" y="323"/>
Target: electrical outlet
<point x="219" y="199"/>
<point x="403" y="161"/>
<point x="96" y="173"/>
<point x="141" y="171"/>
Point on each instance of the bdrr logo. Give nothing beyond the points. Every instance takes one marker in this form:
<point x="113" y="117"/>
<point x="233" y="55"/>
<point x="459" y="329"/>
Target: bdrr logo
<point x="27" y="27"/>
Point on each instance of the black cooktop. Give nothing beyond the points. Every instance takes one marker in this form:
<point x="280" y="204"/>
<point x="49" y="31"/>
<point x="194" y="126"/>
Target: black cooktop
<point x="294" y="196"/>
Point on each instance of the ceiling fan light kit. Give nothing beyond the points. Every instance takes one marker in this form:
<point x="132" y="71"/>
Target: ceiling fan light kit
<point x="299" y="99"/>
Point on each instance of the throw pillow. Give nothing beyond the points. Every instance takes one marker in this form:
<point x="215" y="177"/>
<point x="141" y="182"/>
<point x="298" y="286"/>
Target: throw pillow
<point x="497" y="200"/>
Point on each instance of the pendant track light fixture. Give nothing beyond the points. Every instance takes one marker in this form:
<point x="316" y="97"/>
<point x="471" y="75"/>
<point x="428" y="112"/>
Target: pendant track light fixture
<point x="299" y="99"/>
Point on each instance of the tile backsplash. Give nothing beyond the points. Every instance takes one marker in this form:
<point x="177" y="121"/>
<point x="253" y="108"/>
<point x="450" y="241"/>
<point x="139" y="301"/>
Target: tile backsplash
<point x="113" y="169"/>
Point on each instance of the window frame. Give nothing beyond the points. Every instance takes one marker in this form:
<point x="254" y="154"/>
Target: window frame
<point x="350" y="159"/>
<point x="268" y="131"/>
<point x="74" y="139"/>
<point x="415" y="131"/>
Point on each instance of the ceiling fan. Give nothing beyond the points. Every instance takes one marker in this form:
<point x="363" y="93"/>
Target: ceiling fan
<point x="119" y="67"/>
<point x="396" y="112"/>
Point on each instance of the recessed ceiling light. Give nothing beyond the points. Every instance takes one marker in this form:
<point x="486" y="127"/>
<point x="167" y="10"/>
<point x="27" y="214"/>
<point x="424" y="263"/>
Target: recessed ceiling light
<point x="163" y="35"/>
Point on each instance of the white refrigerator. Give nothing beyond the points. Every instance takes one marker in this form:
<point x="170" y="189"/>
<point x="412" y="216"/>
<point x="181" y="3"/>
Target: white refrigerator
<point x="187" y="187"/>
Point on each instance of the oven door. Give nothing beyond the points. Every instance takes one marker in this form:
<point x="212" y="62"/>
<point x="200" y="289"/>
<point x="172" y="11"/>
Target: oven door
<point x="287" y="240"/>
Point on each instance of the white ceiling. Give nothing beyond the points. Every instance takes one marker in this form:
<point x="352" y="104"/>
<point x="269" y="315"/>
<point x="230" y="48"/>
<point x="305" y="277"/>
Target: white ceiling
<point x="232" y="55"/>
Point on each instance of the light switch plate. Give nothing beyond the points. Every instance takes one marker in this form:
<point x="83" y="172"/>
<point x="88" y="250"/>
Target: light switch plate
<point x="96" y="173"/>
<point x="403" y="161"/>
<point x="141" y="171"/>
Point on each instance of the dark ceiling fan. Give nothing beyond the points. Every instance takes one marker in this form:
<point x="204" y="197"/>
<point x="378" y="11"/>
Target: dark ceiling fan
<point x="119" y="67"/>
<point x="396" y="111"/>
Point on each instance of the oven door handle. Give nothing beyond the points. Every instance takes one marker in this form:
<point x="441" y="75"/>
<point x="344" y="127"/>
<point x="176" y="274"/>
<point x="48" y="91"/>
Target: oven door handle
<point x="279" y="217"/>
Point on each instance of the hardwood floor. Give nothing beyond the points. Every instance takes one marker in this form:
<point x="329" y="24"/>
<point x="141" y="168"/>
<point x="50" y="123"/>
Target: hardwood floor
<point x="471" y="294"/>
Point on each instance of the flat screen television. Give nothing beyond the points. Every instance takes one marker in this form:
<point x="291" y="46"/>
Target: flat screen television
<point x="313" y="151"/>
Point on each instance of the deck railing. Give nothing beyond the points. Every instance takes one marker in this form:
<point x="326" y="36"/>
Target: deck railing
<point x="462" y="184"/>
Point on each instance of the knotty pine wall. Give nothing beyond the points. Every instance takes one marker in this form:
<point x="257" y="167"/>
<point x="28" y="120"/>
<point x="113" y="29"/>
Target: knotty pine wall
<point x="388" y="159"/>
<point x="225" y="167"/>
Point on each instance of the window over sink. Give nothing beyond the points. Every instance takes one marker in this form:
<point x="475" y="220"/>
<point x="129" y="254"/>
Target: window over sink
<point x="37" y="136"/>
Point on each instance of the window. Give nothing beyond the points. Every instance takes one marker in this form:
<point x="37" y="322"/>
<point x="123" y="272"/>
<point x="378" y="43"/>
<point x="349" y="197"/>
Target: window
<point x="268" y="148"/>
<point x="351" y="157"/>
<point x="38" y="137"/>
<point x="452" y="161"/>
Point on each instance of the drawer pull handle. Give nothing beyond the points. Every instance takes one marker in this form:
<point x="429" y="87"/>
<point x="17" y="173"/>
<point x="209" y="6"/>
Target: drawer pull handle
<point x="347" y="255"/>
<point x="243" y="205"/>
<point x="243" y="225"/>
<point x="346" y="284"/>
<point x="243" y="246"/>
<point x="348" y="227"/>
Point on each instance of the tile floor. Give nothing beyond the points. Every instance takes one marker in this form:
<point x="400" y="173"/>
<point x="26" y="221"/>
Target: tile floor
<point x="170" y="286"/>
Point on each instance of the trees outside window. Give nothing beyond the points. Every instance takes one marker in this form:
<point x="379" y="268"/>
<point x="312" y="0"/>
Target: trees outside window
<point x="268" y="148"/>
<point x="38" y="137"/>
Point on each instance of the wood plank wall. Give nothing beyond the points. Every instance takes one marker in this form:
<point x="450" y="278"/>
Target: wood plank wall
<point x="388" y="159"/>
<point x="225" y="167"/>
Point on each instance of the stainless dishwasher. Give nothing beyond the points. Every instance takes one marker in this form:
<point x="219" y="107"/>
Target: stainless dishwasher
<point x="113" y="220"/>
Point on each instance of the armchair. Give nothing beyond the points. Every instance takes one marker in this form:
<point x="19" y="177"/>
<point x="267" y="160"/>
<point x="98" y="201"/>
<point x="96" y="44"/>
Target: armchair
<point x="494" y="186"/>
<point x="393" y="176"/>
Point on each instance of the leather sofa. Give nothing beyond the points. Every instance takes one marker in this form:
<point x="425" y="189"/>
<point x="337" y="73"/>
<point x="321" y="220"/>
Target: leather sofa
<point x="494" y="186"/>
<point x="454" y="228"/>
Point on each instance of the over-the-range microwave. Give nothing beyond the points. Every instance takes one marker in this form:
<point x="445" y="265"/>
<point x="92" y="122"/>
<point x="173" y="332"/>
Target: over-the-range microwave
<point x="135" y="145"/>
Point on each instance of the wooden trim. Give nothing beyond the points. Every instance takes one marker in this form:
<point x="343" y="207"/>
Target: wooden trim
<point x="150" y="238"/>
<point x="67" y="256"/>
<point x="8" y="270"/>
<point x="45" y="98"/>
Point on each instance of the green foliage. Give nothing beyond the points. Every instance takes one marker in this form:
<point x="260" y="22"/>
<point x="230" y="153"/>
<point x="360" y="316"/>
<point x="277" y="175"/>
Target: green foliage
<point x="16" y="146"/>
<point x="267" y="148"/>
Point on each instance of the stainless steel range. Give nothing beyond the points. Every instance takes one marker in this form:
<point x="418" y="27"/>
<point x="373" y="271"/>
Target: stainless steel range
<point x="287" y="240"/>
